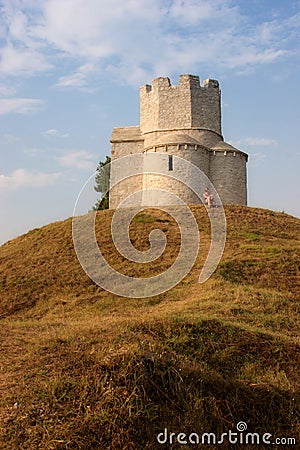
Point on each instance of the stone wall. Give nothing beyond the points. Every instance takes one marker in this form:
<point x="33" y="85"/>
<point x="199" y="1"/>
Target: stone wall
<point x="124" y="189"/>
<point x="229" y="176"/>
<point x="124" y="141"/>
<point x="199" y="156"/>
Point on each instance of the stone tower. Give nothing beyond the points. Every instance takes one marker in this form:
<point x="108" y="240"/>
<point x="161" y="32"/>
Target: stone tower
<point x="182" y="120"/>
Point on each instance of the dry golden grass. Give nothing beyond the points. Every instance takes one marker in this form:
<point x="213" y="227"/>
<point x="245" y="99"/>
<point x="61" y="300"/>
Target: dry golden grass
<point x="81" y="368"/>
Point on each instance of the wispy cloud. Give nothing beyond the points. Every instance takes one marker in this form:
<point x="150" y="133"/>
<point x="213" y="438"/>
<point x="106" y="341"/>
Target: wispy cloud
<point x="77" y="79"/>
<point x="20" y="105"/>
<point x="11" y="138"/>
<point x="32" y="151"/>
<point x="78" y="160"/>
<point x="55" y="133"/>
<point x="113" y="37"/>
<point x="294" y="156"/>
<point x="256" y="158"/>
<point x="22" y="53"/>
<point x="6" y="91"/>
<point x="22" y="61"/>
<point x="255" y="142"/>
<point x="254" y="56"/>
<point x="21" y="178"/>
<point x="191" y="12"/>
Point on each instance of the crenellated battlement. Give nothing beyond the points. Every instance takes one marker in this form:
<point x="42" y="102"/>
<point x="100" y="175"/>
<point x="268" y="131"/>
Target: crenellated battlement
<point x="188" y="104"/>
<point x="186" y="81"/>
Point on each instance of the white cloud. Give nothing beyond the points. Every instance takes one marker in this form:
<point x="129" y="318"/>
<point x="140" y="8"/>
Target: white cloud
<point x="32" y="151"/>
<point x="21" y="60"/>
<point x="21" y="178"/>
<point x="191" y="12"/>
<point x="76" y="79"/>
<point x="56" y="133"/>
<point x="11" y="139"/>
<point x="253" y="56"/>
<point x="19" y="105"/>
<point x="95" y="30"/>
<point x="6" y="91"/>
<point x="263" y="142"/>
<point x="137" y="39"/>
<point x="79" y="78"/>
<point x="256" y="158"/>
<point x="78" y="160"/>
<point x="22" y="53"/>
<point x="255" y="142"/>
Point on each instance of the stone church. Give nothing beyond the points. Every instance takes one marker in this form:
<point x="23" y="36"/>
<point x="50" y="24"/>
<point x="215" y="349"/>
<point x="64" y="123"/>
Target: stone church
<point x="181" y="120"/>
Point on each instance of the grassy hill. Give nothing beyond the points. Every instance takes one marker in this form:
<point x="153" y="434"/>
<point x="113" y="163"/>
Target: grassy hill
<point x="81" y="368"/>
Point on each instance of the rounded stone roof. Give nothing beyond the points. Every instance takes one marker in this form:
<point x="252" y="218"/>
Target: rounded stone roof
<point x="221" y="145"/>
<point x="176" y="138"/>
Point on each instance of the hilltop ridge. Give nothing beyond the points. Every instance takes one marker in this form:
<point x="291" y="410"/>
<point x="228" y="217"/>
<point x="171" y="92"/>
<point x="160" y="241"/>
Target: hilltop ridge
<point x="261" y="250"/>
<point x="81" y="368"/>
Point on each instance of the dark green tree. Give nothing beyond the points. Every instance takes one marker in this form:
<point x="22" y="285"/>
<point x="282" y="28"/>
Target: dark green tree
<point x="102" y="184"/>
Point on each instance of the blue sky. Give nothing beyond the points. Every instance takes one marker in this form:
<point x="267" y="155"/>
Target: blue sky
<point x="70" y="71"/>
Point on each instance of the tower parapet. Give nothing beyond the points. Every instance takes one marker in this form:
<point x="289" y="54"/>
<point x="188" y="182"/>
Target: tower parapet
<point x="186" y="106"/>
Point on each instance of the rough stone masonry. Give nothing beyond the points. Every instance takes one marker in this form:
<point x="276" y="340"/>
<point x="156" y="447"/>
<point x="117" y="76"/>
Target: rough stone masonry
<point x="179" y="120"/>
